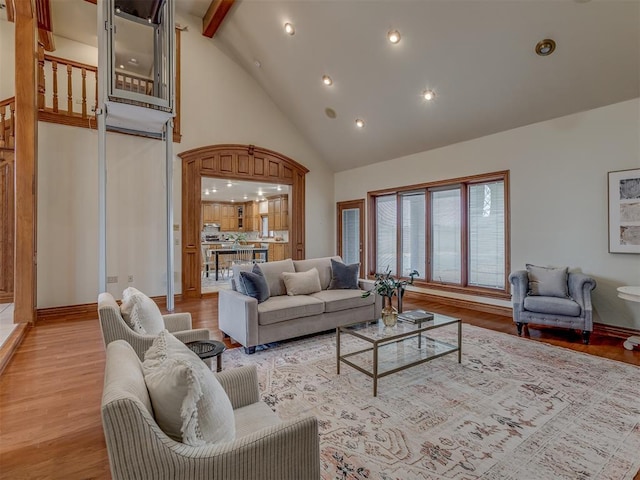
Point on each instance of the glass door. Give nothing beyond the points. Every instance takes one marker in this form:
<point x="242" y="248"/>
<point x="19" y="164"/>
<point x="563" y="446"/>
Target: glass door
<point x="351" y="232"/>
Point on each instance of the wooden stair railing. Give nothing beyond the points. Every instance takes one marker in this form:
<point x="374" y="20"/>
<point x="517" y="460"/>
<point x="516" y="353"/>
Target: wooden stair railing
<point x="7" y="122"/>
<point x="68" y="92"/>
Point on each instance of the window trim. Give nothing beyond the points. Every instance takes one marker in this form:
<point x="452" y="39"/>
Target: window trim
<point x="463" y="183"/>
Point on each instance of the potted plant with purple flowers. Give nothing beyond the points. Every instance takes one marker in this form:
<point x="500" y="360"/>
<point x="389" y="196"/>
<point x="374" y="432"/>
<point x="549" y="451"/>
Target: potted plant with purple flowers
<point x="387" y="286"/>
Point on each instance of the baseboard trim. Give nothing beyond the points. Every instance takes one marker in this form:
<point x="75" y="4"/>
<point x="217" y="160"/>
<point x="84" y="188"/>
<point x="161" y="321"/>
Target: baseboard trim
<point x="85" y="311"/>
<point x="457" y="302"/>
<point x="11" y="344"/>
<point x="614" y="331"/>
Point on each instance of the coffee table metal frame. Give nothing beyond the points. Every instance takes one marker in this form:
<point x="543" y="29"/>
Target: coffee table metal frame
<point x="380" y="336"/>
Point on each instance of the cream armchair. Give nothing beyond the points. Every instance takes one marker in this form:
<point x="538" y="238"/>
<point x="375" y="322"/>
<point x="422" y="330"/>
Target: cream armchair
<point x="114" y="327"/>
<point x="265" y="448"/>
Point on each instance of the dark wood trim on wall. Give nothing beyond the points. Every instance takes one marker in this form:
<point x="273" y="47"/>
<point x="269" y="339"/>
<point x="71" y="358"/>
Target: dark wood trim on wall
<point x="236" y="162"/>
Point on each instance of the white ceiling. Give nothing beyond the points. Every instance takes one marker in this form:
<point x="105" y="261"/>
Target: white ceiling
<point x="238" y="190"/>
<point x="477" y="55"/>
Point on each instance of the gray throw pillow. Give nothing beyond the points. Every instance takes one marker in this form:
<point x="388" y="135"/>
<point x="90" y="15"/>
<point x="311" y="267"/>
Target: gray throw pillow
<point x="344" y="276"/>
<point x="547" y="281"/>
<point x="253" y="284"/>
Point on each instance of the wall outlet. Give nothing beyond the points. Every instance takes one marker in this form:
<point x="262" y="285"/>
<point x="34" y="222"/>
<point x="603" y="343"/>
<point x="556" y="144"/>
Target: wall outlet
<point x="177" y="242"/>
<point x="176" y="227"/>
<point x="130" y="278"/>
<point x="112" y="279"/>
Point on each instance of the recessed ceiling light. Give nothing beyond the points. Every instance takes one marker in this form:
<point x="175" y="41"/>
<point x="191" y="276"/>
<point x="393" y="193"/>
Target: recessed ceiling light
<point x="428" y="94"/>
<point x="326" y="79"/>
<point x="257" y="63"/>
<point x="330" y="112"/>
<point x="545" y="47"/>
<point x="206" y="192"/>
<point x="288" y="27"/>
<point x="359" y="123"/>
<point x="122" y="66"/>
<point x="133" y="60"/>
<point x="214" y="190"/>
<point x="279" y="188"/>
<point x="232" y="200"/>
<point x="229" y="184"/>
<point x="393" y="36"/>
<point x="245" y="197"/>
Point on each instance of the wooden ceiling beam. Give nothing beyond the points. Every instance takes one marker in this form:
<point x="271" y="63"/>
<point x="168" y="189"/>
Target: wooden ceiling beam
<point x="215" y="15"/>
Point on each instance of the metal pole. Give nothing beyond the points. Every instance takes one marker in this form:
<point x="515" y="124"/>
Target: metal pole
<point x="168" y="133"/>
<point x="102" y="150"/>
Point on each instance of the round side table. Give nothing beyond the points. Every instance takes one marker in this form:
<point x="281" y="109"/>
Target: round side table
<point x="206" y="349"/>
<point x="631" y="294"/>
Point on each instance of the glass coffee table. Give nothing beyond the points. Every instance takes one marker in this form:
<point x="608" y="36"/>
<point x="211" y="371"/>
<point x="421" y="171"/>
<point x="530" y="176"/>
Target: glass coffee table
<point x="392" y="349"/>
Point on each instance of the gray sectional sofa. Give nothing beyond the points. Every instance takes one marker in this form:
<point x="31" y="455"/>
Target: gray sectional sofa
<point x="284" y="316"/>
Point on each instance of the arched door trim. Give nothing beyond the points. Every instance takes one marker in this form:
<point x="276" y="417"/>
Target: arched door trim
<point x="236" y="162"/>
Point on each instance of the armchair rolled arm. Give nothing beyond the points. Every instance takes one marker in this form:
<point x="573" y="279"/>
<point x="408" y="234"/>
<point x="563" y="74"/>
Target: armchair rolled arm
<point x="175" y="322"/>
<point x="241" y="385"/>
<point x="519" y="281"/>
<point x="519" y="286"/>
<point x="580" y="286"/>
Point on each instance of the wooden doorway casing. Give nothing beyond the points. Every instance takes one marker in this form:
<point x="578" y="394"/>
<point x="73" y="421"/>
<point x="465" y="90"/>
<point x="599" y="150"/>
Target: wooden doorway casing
<point x="236" y="162"/>
<point x="7" y="219"/>
<point x="350" y="205"/>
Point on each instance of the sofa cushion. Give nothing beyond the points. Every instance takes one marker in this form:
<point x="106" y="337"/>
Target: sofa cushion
<point x="552" y="305"/>
<point x="272" y="272"/>
<point x="344" y="276"/>
<point x="189" y="404"/>
<point x="254" y="417"/>
<point x="285" y="307"/>
<point x="344" y="299"/>
<point x="323" y="265"/>
<point x="253" y="284"/>
<point x="547" y="281"/>
<point x="302" y="283"/>
<point x="141" y="312"/>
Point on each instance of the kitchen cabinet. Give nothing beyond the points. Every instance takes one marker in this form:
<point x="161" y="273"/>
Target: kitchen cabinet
<point x="278" y="251"/>
<point x="210" y="212"/>
<point x="229" y="220"/>
<point x="278" y="213"/>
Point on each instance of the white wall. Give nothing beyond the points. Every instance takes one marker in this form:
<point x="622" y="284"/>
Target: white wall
<point x="221" y="103"/>
<point x="558" y="172"/>
<point x="7" y="54"/>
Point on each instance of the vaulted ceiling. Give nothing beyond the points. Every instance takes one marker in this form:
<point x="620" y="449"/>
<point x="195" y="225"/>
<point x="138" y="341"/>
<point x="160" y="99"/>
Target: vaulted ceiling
<point x="477" y="56"/>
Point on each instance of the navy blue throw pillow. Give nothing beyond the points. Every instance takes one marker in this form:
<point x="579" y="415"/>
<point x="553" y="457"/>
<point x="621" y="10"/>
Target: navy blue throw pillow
<point x="344" y="276"/>
<point x="254" y="284"/>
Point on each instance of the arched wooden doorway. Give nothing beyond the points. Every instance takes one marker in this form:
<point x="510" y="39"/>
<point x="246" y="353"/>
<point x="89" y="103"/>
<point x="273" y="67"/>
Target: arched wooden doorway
<point x="239" y="162"/>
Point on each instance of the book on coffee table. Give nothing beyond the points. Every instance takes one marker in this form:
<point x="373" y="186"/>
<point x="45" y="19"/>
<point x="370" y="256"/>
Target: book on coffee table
<point x="415" y="316"/>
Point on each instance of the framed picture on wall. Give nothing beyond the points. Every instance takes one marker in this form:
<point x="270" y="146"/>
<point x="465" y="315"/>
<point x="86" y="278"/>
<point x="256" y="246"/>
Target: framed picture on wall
<point x="624" y="211"/>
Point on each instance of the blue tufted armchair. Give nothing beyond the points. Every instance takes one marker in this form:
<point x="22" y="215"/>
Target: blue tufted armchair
<point x="573" y="311"/>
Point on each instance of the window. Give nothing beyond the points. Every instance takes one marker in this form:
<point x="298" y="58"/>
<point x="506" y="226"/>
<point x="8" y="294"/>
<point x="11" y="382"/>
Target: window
<point x="446" y="248"/>
<point x="453" y="232"/>
<point x="386" y="238"/>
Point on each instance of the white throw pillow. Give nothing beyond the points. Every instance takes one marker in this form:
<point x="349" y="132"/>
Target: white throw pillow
<point x="188" y="401"/>
<point x="138" y="309"/>
<point x="302" y="283"/>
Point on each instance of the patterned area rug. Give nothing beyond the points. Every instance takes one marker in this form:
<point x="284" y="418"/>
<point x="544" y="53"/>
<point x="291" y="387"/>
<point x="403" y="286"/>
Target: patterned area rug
<point x="513" y="409"/>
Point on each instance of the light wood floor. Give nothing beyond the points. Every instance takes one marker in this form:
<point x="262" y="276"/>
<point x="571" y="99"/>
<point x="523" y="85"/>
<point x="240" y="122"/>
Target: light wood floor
<point x="50" y="392"/>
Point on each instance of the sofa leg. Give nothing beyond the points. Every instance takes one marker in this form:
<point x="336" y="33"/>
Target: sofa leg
<point x="519" y="326"/>
<point x="249" y="350"/>
<point x="585" y="337"/>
